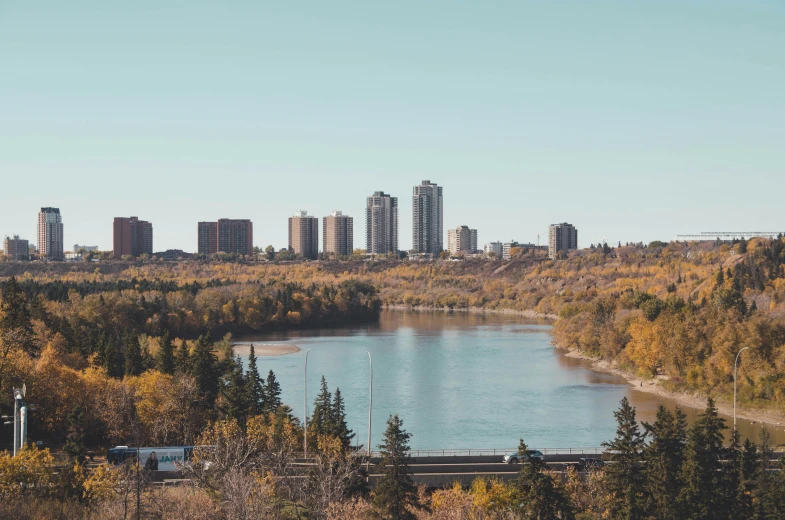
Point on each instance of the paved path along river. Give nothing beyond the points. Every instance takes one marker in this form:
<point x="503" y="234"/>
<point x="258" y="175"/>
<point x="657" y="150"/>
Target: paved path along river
<point x="461" y="381"/>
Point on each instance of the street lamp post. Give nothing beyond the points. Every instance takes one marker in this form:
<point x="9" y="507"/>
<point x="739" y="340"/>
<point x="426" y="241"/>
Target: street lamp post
<point x="735" y="367"/>
<point x="305" y="405"/>
<point x="370" y="408"/>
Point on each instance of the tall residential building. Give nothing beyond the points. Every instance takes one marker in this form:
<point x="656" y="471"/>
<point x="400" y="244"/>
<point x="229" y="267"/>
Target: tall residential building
<point x="461" y="240"/>
<point x="50" y="234"/>
<point x="235" y="236"/>
<point x="225" y="236"/>
<point x="338" y="234"/>
<point x="561" y="237"/>
<point x="132" y="237"/>
<point x="208" y="238"/>
<point x="381" y="224"/>
<point x="16" y="248"/>
<point x="427" y="218"/>
<point x="304" y="235"/>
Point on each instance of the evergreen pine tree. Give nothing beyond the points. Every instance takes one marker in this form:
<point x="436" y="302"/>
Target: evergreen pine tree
<point x="234" y="393"/>
<point x="74" y="440"/>
<point x="183" y="358"/>
<point x="702" y="494"/>
<point x="255" y="385"/>
<point x="272" y="393"/>
<point x="133" y="355"/>
<point x="321" y="419"/>
<point x="114" y="360"/>
<point x="395" y="492"/>
<point x="663" y="457"/>
<point x="165" y="358"/>
<point x="720" y="277"/>
<point x="624" y="477"/>
<point x="768" y="502"/>
<point x="740" y="468"/>
<point x="148" y="362"/>
<point x="539" y="495"/>
<point x="204" y="367"/>
<point x="340" y="428"/>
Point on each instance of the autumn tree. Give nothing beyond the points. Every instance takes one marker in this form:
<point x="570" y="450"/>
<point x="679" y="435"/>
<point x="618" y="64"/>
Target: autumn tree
<point x="395" y="493"/>
<point x="16" y="329"/>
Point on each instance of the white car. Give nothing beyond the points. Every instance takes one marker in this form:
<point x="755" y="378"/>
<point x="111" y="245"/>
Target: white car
<point x="512" y="458"/>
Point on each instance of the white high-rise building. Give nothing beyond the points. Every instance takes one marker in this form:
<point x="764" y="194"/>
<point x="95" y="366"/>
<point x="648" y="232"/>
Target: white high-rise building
<point x="381" y="224"/>
<point x="562" y="237"/>
<point x="50" y="234"/>
<point x="493" y="247"/>
<point x="461" y="240"/>
<point x="427" y="219"/>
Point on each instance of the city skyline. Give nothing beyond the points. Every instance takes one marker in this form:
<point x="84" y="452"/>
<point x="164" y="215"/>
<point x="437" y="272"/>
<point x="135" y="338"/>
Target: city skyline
<point x="634" y="122"/>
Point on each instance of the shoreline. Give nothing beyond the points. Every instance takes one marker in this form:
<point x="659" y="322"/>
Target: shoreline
<point x="472" y="310"/>
<point x="263" y="349"/>
<point x="651" y="386"/>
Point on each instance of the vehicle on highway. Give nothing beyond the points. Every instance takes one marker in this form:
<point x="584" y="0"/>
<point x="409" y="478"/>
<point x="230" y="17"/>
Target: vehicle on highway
<point x="166" y="458"/>
<point x="512" y="458"/>
<point x="588" y="464"/>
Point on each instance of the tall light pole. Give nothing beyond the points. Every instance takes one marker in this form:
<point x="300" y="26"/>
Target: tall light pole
<point x="735" y="367"/>
<point x="370" y="408"/>
<point x="305" y="405"/>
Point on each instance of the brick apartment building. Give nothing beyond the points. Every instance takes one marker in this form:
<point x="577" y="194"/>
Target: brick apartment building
<point x="132" y="237"/>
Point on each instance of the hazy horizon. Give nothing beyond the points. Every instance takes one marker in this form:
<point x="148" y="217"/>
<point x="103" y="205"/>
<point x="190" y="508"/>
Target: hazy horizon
<point x="634" y="122"/>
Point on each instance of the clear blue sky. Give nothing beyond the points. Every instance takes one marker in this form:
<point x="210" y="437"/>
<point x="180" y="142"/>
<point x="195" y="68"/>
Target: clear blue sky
<point x="633" y="120"/>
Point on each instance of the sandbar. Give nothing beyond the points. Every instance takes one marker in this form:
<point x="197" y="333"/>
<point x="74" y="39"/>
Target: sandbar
<point x="264" y="349"/>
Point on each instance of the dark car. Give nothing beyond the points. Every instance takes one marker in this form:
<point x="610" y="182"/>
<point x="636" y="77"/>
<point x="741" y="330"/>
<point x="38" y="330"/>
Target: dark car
<point x="512" y="458"/>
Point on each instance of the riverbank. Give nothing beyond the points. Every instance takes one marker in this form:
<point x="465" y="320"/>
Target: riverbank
<point x="652" y="386"/>
<point x="262" y="349"/>
<point x="473" y="310"/>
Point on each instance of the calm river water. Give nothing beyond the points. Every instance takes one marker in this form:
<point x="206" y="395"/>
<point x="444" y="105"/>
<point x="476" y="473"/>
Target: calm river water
<point x="462" y="381"/>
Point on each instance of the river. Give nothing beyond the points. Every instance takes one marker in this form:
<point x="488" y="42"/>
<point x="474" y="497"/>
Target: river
<point x="463" y="381"/>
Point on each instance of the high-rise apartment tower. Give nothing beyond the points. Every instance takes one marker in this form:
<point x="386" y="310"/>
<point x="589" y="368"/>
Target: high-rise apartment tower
<point x="304" y="235"/>
<point x="338" y="234"/>
<point x="226" y="236"/>
<point x="16" y="248"/>
<point x="208" y="238"/>
<point x="462" y="240"/>
<point x="50" y="234"/>
<point x="235" y="236"/>
<point x="561" y="237"/>
<point x="381" y="224"/>
<point x="427" y="218"/>
<point x="132" y="237"/>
